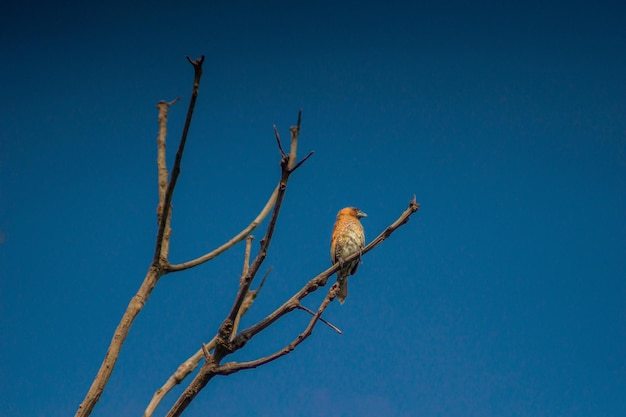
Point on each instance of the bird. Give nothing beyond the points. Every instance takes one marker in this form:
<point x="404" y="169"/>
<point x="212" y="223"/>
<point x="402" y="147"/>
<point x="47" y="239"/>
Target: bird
<point x="347" y="238"/>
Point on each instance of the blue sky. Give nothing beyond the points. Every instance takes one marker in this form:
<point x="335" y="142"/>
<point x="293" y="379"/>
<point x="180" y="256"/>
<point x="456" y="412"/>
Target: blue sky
<point x="503" y="296"/>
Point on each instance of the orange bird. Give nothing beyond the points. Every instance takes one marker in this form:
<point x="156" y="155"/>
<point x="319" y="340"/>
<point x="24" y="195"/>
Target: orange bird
<point x="348" y="238"/>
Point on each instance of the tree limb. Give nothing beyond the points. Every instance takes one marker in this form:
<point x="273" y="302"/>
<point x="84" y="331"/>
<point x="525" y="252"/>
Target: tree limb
<point x="119" y="336"/>
<point x="156" y="269"/>
<point x="223" y="348"/>
<point x="177" y="377"/>
<point x="223" y="344"/>
<point x="246" y="256"/>
<point x="232" y="367"/>
<point x="329" y="324"/>
<point x="188" y="366"/>
<point x="247" y="303"/>
<point x="234" y="240"/>
<point x="159" y="255"/>
<point x="287" y="166"/>
<point x="163" y="174"/>
<point x="294" y="302"/>
<point x="320" y="280"/>
<point x="280" y="146"/>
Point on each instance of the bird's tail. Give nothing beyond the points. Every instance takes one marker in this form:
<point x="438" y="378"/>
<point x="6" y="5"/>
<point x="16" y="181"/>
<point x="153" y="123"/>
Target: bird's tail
<point x="343" y="290"/>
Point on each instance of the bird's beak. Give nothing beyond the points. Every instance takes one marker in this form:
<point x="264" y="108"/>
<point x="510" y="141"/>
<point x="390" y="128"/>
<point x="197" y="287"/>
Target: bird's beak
<point x="361" y="214"/>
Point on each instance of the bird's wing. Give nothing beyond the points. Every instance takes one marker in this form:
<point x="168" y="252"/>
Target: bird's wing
<point x="333" y="239"/>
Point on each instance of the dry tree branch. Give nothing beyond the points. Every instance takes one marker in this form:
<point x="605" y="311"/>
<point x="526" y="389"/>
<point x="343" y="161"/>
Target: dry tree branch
<point x="188" y="366"/>
<point x="287" y="166"/>
<point x="294" y="302"/>
<point x="247" y="303"/>
<point x="320" y="281"/>
<point x="177" y="377"/>
<point x="212" y="366"/>
<point x="227" y="340"/>
<point x="329" y="324"/>
<point x="159" y="255"/>
<point x="232" y="367"/>
<point x="246" y="256"/>
<point x="234" y="240"/>
<point x="163" y="174"/>
<point x="280" y="145"/>
<point x="156" y="269"/>
<point x="119" y="336"/>
<point x="223" y="344"/>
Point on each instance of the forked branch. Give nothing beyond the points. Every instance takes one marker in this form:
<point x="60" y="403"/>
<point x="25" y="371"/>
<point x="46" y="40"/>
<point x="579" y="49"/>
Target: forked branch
<point x="228" y="339"/>
<point x="313" y="285"/>
<point x="232" y="367"/>
<point x="188" y="366"/>
<point x="159" y="259"/>
<point x="169" y="192"/>
<point x="212" y="366"/>
<point x="288" y="166"/>
<point x="223" y="339"/>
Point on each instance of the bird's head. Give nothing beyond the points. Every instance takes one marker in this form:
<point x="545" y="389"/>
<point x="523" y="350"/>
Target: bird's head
<point x="351" y="212"/>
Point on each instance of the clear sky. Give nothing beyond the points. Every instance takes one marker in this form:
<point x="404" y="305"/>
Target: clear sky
<point x="503" y="296"/>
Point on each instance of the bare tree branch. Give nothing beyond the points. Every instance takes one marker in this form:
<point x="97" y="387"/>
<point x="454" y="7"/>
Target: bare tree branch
<point x="320" y="281"/>
<point x="234" y="240"/>
<point x="232" y="367"/>
<point x="119" y="336"/>
<point x="163" y="174"/>
<point x="247" y="303"/>
<point x="280" y="146"/>
<point x="294" y="302"/>
<point x="223" y="348"/>
<point x="329" y="324"/>
<point x="177" y="377"/>
<point x="223" y="344"/>
<point x="310" y="154"/>
<point x="190" y="364"/>
<point x="246" y="257"/>
<point x="228" y="339"/>
<point x="295" y="131"/>
<point x="287" y="169"/>
<point x="156" y="269"/>
<point x="159" y="255"/>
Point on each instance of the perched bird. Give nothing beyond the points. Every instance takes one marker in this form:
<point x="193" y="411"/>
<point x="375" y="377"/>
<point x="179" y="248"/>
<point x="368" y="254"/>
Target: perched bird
<point x="348" y="237"/>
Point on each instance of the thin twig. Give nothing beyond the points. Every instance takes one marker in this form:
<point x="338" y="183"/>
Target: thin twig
<point x="280" y="146"/>
<point x="322" y="319"/>
<point x="295" y="132"/>
<point x="247" y="303"/>
<point x="263" y="279"/>
<point x="177" y="377"/>
<point x="246" y="256"/>
<point x="303" y="160"/>
<point x="206" y="351"/>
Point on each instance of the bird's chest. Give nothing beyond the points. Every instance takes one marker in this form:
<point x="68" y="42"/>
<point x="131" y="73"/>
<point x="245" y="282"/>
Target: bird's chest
<point x="351" y="240"/>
